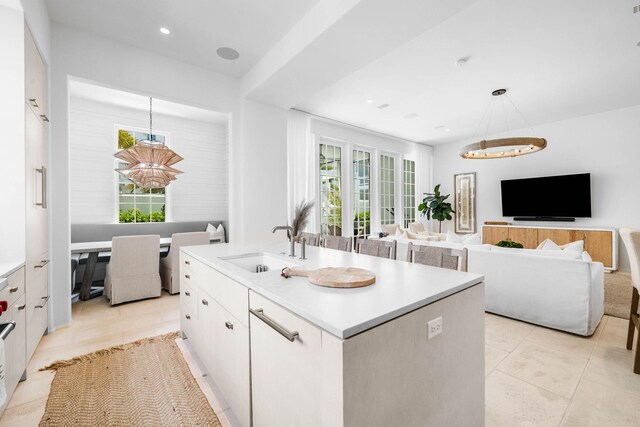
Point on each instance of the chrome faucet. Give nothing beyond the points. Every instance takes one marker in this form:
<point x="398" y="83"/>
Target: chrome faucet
<point x="292" y="252"/>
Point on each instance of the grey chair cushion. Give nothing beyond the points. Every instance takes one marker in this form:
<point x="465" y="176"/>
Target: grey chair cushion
<point x="104" y="232"/>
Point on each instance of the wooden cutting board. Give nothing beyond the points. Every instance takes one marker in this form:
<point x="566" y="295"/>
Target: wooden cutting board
<point x="335" y="277"/>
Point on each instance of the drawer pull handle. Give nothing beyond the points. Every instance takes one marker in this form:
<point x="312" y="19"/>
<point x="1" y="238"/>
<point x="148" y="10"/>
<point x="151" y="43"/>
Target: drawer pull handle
<point x="205" y="302"/>
<point x="33" y="102"/>
<point x="259" y="313"/>
<point x="187" y="293"/>
<point x="43" y="302"/>
<point x="11" y="325"/>
<point x="186" y="276"/>
<point x="22" y="307"/>
<point x="44" y="262"/>
<point x="188" y="316"/>
<point x="187" y="262"/>
<point x="12" y="290"/>
<point x="229" y="325"/>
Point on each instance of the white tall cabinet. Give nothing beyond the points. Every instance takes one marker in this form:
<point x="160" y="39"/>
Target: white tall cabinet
<point x="37" y="230"/>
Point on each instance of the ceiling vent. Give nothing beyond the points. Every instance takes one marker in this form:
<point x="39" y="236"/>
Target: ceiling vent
<point x="636" y="9"/>
<point x="382" y="106"/>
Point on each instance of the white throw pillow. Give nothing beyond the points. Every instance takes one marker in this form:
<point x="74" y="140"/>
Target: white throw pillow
<point x="215" y="233"/>
<point x="411" y="235"/>
<point x="548" y="245"/>
<point x="398" y="234"/>
<point x="577" y="246"/>
<point x="466" y="239"/>
<point x="586" y="256"/>
<point x="416" y="227"/>
<point x="538" y="252"/>
<point x="391" y="229"/>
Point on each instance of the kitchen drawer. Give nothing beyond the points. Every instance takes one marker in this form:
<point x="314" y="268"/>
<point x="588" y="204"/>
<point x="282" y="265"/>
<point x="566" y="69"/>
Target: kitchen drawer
<point x="230" y="361"/>
<point x="188" y="310"/>
<point x="37" y="319"/>
<point x="187" y="263"/>
<point x="230" y="294"/>
<point x="15" y="287"/>
<point x="285" y="375"/>
<point x="14" y="345"/>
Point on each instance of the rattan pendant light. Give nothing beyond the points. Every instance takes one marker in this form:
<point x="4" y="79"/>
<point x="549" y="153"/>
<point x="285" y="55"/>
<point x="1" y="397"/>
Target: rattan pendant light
<point x="149" y="161"/>
<point x="503" y="147"/>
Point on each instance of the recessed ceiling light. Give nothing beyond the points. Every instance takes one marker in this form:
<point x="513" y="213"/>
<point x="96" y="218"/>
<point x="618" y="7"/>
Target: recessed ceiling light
<point x="382" y="106"/>
<point x="411" y="116"/>
<point x="165" y="30"/>
<point x="447" y="130"/>
<point x="638" y="44"/>
<point x="228" y="53"/>
<point x="370" y="101"/>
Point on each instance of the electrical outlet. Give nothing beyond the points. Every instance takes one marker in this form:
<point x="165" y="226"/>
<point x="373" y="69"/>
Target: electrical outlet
<point x="434" y="327"/>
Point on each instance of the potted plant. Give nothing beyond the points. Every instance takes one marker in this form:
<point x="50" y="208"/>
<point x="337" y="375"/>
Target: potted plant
<point x="434" y="206"/>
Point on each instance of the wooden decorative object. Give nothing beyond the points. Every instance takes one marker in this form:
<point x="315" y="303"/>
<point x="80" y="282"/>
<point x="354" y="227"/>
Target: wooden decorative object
<point x="335" y="277"/>
<point x="496" y="223"/>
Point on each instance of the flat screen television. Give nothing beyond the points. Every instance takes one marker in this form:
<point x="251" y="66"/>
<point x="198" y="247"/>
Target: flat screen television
<point x="553" y="198"/>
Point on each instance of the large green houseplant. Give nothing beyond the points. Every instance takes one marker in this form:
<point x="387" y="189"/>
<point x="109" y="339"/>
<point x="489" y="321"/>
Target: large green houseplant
<point x="434" y="206"/>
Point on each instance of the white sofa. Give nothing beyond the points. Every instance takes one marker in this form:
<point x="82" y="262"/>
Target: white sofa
<point x="558" y="289"/>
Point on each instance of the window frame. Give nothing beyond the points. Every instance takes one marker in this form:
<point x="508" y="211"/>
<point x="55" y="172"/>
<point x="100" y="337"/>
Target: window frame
<point x="167" y="190"/>
<point x="345" y="160"/>
<point x="355" y="201"/>
<point x="414" y="184"/>
<point x="395" y="187"/>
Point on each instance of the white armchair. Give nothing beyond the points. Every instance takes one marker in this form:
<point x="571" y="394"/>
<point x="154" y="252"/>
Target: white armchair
<point x="132" y="274"/>
<point x="170" y="265"/>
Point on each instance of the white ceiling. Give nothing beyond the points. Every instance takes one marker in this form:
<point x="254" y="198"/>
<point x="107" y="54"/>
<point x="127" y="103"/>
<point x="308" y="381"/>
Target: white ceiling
<point x="558" y="59"/>
<point x="198" y="27"/>
<point x="82" y="90"/>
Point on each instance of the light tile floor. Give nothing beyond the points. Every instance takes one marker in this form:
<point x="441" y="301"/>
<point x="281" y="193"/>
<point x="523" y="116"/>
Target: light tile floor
<point x="534" y="376"/>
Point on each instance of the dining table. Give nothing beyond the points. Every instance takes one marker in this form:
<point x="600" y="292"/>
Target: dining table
<point x="93" y="250"/>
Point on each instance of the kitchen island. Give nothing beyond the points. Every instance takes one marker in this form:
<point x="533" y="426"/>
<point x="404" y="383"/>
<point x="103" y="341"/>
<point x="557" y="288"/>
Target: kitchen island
<point x="407" y="350"/>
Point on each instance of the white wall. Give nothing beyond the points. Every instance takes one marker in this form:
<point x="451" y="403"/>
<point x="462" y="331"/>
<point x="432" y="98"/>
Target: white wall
<point x="200" y="193"/>
<point x="12" y="123"/>
<point x="607" y="145"/>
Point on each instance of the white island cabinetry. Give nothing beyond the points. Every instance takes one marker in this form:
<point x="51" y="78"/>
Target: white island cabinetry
<point x="285" y="352"/>
<point x="220" y="338"/>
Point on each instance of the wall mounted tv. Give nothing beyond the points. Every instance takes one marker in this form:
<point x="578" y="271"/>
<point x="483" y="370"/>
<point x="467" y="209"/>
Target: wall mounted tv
<point x="549" y="198"/>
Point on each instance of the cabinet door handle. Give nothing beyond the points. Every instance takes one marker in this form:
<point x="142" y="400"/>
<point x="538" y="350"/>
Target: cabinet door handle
<point x="186" y="276"/>
<point x="188" y="316"/>
<point x="259" y="313"/>
<point x="22" y="307"/>
<point x="44" y="118"/>
<point x="187" y="262"/>
<point x="228" y="324"/>
<point x="44" y="262"/>
<point x="34" y="103"/>
<point x="43" y="175"/>
<point x="12" y="290"/>
<point x="11" y="325"/>
<point x="43" y="303"/>
<point x="205" y="302"/>
<point x="187" y="293"/>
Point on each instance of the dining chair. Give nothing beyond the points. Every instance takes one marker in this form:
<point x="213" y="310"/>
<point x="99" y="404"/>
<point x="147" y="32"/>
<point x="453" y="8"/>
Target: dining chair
<point x="311" y="239"/>
<point x="631" y="240"/>
<point x="170" y="265"/>
<point x="435" y="256"/>
<point x="337" y="242"/>
<point x="132" y="273"/>
<point x="379" y="248"/>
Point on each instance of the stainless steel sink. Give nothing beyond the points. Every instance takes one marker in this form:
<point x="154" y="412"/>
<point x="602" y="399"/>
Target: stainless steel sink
<point x="259" y="262"/>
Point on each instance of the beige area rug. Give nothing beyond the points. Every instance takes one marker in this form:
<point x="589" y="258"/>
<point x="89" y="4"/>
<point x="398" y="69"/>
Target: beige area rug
<point x="143" y="383"/>
<point x="617" y="294"/>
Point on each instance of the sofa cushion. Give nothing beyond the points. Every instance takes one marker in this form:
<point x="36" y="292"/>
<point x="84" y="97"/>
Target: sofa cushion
<point x="466" y="239"/>
<point x="539" y="252"/>
<point x="577" y="246"/>
<point x="550" y="245"/>
<point x="416" y="227"/>
<point x="390" y="229"/>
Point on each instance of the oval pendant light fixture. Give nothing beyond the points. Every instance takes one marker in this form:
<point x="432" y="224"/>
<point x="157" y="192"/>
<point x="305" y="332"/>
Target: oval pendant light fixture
<point x="503" y="147"/>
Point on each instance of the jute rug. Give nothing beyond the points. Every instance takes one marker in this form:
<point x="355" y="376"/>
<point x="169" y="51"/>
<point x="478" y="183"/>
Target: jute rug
<point x="143" y="383"/>
<point x="617" y="294"/>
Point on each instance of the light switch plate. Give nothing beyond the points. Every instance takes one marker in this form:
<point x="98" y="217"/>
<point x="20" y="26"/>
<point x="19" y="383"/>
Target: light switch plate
<point x="434" y="327"/>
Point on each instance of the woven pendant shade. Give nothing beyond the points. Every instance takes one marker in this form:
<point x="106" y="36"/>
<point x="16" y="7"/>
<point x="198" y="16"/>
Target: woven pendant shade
<point x="149" y="162"/>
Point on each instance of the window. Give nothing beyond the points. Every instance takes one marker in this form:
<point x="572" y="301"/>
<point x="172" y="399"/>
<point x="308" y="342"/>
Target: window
<point x="409" y="192"/>
<point x="330" y="190"/>
<point x="137" y="204"/>
<point x="387" y="189"/>
<point x="361" y="192"/>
